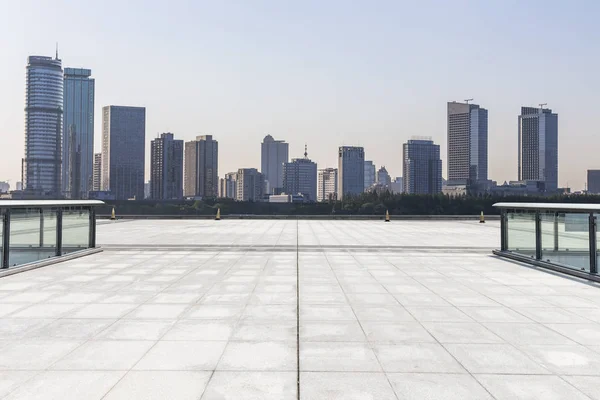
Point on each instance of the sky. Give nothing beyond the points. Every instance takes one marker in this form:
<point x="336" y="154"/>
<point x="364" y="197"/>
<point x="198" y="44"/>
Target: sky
<point x="324" y="73"/>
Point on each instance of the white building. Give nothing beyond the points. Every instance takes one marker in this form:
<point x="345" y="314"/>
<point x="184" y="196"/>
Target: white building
<point x="250" y="185"/>
<point x="327" y="185"/>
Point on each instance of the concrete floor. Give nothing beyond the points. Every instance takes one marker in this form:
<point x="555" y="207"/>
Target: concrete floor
<point x="210" y="310"/>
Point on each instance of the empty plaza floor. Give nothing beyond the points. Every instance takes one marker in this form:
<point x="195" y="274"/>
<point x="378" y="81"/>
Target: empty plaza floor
<point x="284" y="309"/>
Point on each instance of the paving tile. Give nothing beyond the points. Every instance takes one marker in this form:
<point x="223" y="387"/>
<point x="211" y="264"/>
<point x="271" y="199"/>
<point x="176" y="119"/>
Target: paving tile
<point x="157" y="311"/>
<point x="275" y="312"/>
<point x="32" y="354"/>
<point x="438" y="314"/>
<point x="314" y="312"/>
<point x="160" y="385"/>
<point x="259" y="356"/>
<point x="586" y="334"/>
<point x="392" y="333"/>
<point x="461" y="332"/>
<point x="70" y="329"/>
<point x="191" y="329"/>
<point x="182" y="355"/>
<point x="10" y="380"/>
<point x="565" y="359"/>
<point x="253" y="331"/>
<point x="416" y="357"/>
<point x="339" y="331"/>
<point x="345" y="386"/>
<point x="494" y="359"/>
<point x="381" y="313"/>
<point x="586" y="384"/>
<point x="529" y="387"/>
<point x="136" y="330"/>
<point x="524" y="334"/>
<point x="101" y="310"/>
<point x="494" y="314"/>
<point x="437" y="386"/>
<point x="340" y="357"/>
<point x="234" y="385"/>
<point x="112" y="355"/>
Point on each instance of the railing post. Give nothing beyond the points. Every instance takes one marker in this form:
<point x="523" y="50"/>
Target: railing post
<point x="538" y="235"/>
<point x="59" y="231"/>
<point x="5" y="238"/>
<point x="593" y="259"/>
<point x="555" y="231"/>
<point x="41" y="227"/>
<point x="503" y="230"/>
<point x="92" y="238"/>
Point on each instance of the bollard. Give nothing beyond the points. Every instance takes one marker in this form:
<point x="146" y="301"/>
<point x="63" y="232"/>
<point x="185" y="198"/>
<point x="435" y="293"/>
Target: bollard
<point x="112" y="215"/>
<point x="387" y="216"/>
<point x="481" y="218"/>
<point x="218" y="217"/>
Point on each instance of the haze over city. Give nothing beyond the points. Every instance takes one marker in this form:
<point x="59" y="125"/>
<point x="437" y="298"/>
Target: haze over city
<point x="325" y="74"/>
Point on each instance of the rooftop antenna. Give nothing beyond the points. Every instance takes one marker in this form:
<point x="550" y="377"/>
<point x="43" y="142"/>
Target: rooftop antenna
<point x="305" y="151"/>
<point x="56" y="50"/>
<point x="543" y="104"/>
<point x="468" y="100"/>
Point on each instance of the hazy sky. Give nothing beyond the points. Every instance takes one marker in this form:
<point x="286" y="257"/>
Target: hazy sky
<point x="369" y="73"/>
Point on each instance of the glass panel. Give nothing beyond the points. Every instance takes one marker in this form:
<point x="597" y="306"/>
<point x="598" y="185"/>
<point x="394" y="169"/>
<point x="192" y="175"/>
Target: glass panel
<point x="49" y="229"/>
<point x="565" y="240"/>
<point x="521" y="233"/>
<point x="1" y="237"/>
<point x="25" y="237"/>
<point x="76" y="230"/>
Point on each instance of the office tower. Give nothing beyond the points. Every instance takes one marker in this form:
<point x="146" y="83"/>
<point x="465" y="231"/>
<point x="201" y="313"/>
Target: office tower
<point x="41" y="167"/>
<point x="201" y="167"/>
<point x="383" y="178"/>
<point x="300" y="177"/>
<point x="250" y="185"/>
<point x="351" y="171"/>
<point x="228" y="187"/>
<point x="593" y="181"/>
<point x="4" y="187"/>
<point x="78" y="132"/>
<point x="370" y="175"/>
<point x="467" y="145"/>
<point x="166" y="168"/>
<point x="123" y="151"/>
<point x="397" y="185"/>
<point x="327" y="184"/>
<point x="422" y="167"/>
<point x="273" y="154"/>
<point x="538" y="146"/>
<point x="97" y="172"/>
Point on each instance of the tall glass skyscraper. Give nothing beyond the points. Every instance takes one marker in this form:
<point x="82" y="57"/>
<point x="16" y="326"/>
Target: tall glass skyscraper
<point x="201" y="174"/>
<point x="166" y="168"/>
<point x="273" y="154"/>
<point x="41" y="167"/>
<point x="123" y="151"/>
<point x="351" y="171"/>
<point x="300" y="176"/>
<point x="422" y="167"/>
<point x="538" y="146"/>
<point x="78" y="133"/>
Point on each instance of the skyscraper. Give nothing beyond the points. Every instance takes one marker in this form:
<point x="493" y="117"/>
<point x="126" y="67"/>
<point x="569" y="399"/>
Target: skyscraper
<point x="201" y="167"/>
<point x="538" y="146"/>
<point x="593" y="181"/>
<point x="97" y="173"/>
<point x="467" y="145"/>
<point x="351" y="171"/>
<point x="422" y="167"/>
<point x="327" y="182"/>
<point x="166" y="168"/>
<point x="300" y="177"/>
<point x="383" y="177"/>
<point x="272" y="156"/>
<point x="228" y="187"/>
<point x="250" y="185"/>
<point x="78" y="132"/>
<point x="123" y="151"/>
<point x="370" y="175"/>
<point x="41" y="167"/>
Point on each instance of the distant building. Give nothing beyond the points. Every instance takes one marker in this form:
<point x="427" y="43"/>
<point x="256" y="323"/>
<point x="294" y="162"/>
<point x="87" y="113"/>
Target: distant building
<point x="273" y="154"/>
<point x="4" y="187"/>
<point x="250" y="185"/>
<point x="327" y="184"/>
<point x="383" y="178"/>
<point x="397" y="185"/>
<point x="147" y="187"/>
<point x="19" y="186"/>
<point x="166" y="168"/>
<point x="286" y="198"/>
<point x="228" y="186"/>
<point x="593" y="181"/>
<point x="351" y="171"/>
<point x="41" y="167"/>
<point x="123" y="151"/>
<point x="300" y="177"/>
<point x="97" y="173"/>
<point x="538" y="146"/>
<point x="78" y="133"/>
<point x="101" y="195"/>
<point x="467" y="145"/>
<point x="519" y="188"/>
<point x="201" y="175"/>
<point x="370" y="176"/>
<point x="422" y="167"/>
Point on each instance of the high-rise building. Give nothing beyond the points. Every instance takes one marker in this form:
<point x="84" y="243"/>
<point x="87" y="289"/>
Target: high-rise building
<point x="4" y="187"/>
<point x="228" y="186"/>
<point x="273" y="154"/>
<point x="467" y="145"/>
<point x="593" y="181"/>
<point x="97" y="173"/>
<point x="383" y="178"/>
<point x="538" y="146"/>
<point x="422" y="167"/>
<point x="41" y="167"/>
<point x="327" y="182"/>
<point x="78" y="132"/>
<point x="300" y="177"/>
<point x="166" y="168"/>
<point x="250" y="185"/>
<point x="123" y="151"/>
<point x="351" y="171"/>
<point x="370" y="175"/>
<point x="201" y="177"/>
<point x="397" y="185"/>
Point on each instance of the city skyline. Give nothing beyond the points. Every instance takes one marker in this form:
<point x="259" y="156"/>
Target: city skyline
<point x="336" y="98"/>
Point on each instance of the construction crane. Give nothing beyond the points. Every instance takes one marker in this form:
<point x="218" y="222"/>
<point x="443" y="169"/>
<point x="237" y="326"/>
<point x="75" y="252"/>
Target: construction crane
<point x="468" y="100"/>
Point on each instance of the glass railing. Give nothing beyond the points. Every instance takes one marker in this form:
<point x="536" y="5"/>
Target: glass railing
<point x="559" y="236"/>
<point x="34" y="230"/>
